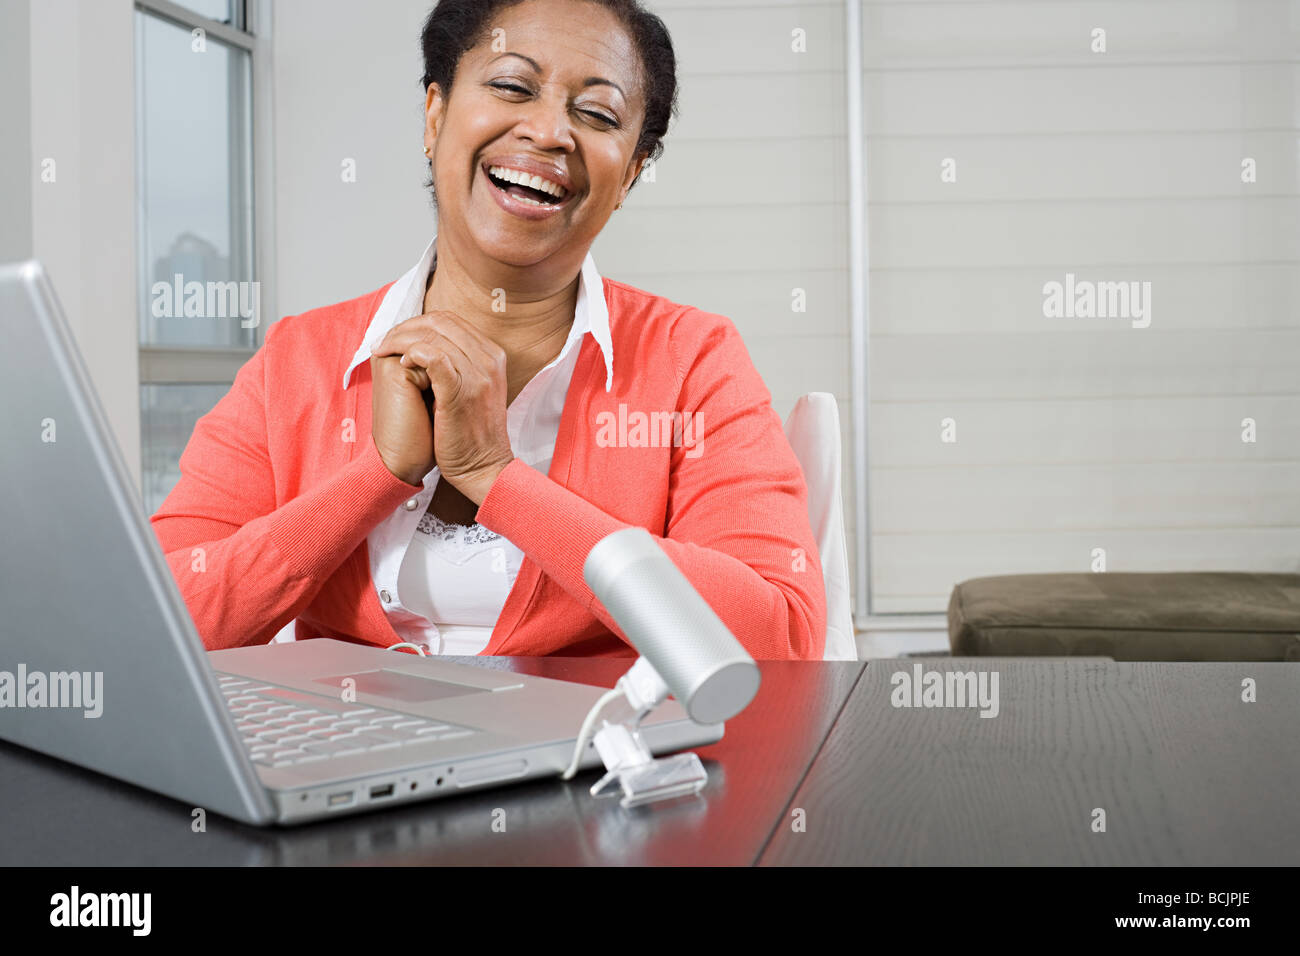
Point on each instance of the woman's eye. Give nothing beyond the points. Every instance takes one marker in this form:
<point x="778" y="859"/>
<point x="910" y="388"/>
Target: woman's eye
<point x="608" y="121"/>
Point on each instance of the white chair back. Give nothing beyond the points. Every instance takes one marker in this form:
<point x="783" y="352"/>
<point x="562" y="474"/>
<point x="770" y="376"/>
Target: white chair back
<point x="813" y="430"/>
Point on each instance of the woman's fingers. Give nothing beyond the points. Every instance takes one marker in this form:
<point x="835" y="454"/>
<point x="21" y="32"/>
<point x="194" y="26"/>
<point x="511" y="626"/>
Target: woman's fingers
<point x="473" y="343"/>
<point x="449" y="369"/>
<point x="418" y="377"/>
<point x="460" y="363"/>
<point x="446" y="366"/>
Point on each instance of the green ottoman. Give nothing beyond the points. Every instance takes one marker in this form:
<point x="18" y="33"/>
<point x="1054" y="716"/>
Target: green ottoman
<point x="1181" y="616"/>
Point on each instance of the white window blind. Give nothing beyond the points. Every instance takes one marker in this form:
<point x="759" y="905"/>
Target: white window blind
<point x="1011" y="145"/>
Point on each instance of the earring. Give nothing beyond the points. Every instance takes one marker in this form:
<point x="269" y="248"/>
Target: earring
<point x="426" y="151"/>
<point x="620" y="204"/>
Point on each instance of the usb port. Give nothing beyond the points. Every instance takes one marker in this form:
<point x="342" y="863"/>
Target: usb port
<point x="339" y="799"/>
<point x="385" y="791"/>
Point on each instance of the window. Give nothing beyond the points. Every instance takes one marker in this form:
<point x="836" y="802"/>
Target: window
<point x="201" y="305"/>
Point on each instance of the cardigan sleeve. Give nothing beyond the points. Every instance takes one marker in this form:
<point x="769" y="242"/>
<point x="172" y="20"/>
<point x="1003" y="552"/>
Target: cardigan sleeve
<point x="737" y="523"/>
<point x="246" y="564"/>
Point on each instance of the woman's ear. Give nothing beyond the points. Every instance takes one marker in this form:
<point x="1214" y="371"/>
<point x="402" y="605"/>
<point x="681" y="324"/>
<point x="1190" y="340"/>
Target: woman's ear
<point x="434" y="103"/>
<point x="634" y="170"/>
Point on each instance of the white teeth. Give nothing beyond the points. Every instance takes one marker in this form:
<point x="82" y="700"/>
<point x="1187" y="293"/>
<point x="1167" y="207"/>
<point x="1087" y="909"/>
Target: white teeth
<point x="526" y="179"/>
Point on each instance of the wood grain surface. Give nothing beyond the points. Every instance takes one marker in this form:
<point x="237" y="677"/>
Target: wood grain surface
<point x="1185" y="770"/>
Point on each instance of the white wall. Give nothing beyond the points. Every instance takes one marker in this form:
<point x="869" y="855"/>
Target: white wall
<point x="77" y="77"/>
<point x="347" y="86"/>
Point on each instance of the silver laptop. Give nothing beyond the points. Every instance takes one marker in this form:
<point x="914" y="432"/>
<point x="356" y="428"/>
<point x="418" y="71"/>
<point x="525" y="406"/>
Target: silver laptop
<point x="100" y="664"/>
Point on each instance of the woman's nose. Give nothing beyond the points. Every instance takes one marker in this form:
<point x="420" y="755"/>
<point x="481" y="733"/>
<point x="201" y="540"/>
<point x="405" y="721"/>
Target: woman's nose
<point x="545" y="121"/>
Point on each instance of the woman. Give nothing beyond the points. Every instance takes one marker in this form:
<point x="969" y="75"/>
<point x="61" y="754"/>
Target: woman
<point x="431" y="463"/>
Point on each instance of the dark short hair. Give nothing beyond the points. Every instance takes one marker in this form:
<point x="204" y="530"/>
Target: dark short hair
<point x="454" y="26"/>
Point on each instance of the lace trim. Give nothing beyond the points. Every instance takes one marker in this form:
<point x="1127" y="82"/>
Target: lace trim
<point x="435" y="527"/>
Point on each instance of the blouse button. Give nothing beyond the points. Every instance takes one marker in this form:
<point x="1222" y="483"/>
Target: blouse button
<point x="412" y="504"/>
<point x="385" y="596"/>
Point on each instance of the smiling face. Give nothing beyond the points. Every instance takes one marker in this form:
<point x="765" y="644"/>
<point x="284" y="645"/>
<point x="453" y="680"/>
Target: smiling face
<point x="554" y="91"/>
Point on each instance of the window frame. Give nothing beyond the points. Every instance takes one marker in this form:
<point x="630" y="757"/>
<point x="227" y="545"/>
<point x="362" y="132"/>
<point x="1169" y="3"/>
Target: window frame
<point x="250" y="32"/>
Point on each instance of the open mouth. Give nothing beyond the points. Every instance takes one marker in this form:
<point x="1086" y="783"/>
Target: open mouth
<point x="525" y="187"/>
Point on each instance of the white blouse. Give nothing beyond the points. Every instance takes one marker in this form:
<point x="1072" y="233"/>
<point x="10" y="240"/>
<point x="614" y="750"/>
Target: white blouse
<point x="442" y="586"/>
<point x="457" y="577"/>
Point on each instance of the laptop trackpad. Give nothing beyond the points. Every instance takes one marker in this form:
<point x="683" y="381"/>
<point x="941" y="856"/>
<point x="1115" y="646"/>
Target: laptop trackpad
<point x="402" y="687"/>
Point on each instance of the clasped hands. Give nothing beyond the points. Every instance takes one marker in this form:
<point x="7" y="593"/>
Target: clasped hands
<point x="439" y="398"/>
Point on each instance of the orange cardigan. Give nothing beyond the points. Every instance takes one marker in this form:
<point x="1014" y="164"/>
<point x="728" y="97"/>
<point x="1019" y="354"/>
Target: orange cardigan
<point x="281" y="484"/>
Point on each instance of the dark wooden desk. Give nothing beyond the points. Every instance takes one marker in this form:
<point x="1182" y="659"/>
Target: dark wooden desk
<point x="1187" y="773"/>
<point x="55" y="814"/>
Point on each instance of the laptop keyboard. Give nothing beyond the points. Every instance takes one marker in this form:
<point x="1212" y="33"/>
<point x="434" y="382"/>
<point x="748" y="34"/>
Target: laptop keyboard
<point x="281" y="727"/>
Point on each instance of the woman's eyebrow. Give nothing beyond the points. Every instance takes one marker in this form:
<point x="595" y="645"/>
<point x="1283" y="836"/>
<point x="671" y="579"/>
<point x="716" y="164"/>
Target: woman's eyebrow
<point x="589" y="81"/>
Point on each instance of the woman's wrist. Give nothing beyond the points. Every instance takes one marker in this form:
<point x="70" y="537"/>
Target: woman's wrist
<point x="407" y="476"/>
<point x="476" y="486"/>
